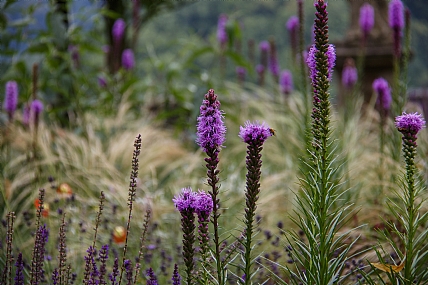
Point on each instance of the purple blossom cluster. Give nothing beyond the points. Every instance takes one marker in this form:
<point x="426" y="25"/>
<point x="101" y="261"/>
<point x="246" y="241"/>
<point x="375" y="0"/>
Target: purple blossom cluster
<point x="198" y="202"/>
<point x="286" y="82"/>
<point x="255" y="133"/>
<point x="211" y="131"/>
<point x="396" y="15"/>
<point x="221" y="30"/>
<point x="118" y="30"/>
<point x="312" y="63"/>
<point x="410" y="123"/>
<point x="128" y="60"/>
<point x="383" y="91"/>
<point x="367" y="18"/>
<point x="11" y="98"/>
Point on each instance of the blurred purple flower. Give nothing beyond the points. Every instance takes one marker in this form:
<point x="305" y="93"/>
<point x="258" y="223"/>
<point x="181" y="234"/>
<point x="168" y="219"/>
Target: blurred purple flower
<point x="118" y="30"/>
<point x="128" y="61"/>
<point x="26" y="115"/>
<point x="254" y="132"/>
<point x="74" y="55"/>
<point x="36" y="107"/>
<point x="292" y="24"/>
<point x="241" y="72"/>
<point x="383" y="91"/>
<point x="286" y="82"/>
<point x="176" y="278"/>
<point x="410" y="123"/>
<point x="19" y="273"/>
<point x="102" y="82"/>
<point x="264" y="46"/>
<point x="260" y="68"/>
<point x="221" y="29"/>
<point x="367" y="18"/>
<point x="396" y="16"/>
<point x="349" y="74"/>
<point x="211" y="130"/>
<point x="11" y="98"/>
<point x="152" y="277"/>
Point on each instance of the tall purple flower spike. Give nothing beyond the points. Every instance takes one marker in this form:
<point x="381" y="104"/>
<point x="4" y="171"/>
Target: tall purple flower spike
<point x="367" y="18"/>
<point x="118" y="30"/>
<point x="221" y="29"/>
<point x="128" y="61"/>
<point x="396" y="22"/>
<point x="383" y="91"/>
<point x="312" y="64"/>
<point x="11" y="98"/>
<point x="349" y="74"/>
<point x="211" y="131"/>
<point x="185" y="200"/>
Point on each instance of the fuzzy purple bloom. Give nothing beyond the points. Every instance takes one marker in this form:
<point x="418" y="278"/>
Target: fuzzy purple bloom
<point x="396" y="15"/>
<point x="102" y="82"/>
<point x="128" y="61"/>
<point x="292" y="24"/>
<point x="203" y="203"/>
<point x="221" y="29"/>
<point x="383" y="91"/>
<point x="211" y="131"/>
<point x="349" y="76"/>
<point x="26" y="115"/>
<point x="254" y="132"/>
<point x="115" y="272"/>
<point x="367" y="18"/>
<point x="118" y="30"/>
<point x="176" y="278"/>
<point x="264" y="46"/>
<point x="312" y="64"/>
<point x="286" y="82"/>
<point x="19" y="273"/>
<point x="185" y="200"/>
<point x="36" y="107"/>
<point x="241" y="71"/>
<point x="410" y="123"/>
<point x="152" y="277"/>
<point x="11" y="98"/>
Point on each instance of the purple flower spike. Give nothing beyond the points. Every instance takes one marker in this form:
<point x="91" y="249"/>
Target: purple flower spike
<point x="36" y="107"/>
<point x="264" y="46"/>
<point x="366" y="19"/>
<point x="396" y="16"/>
<point x="128" y="61"/>
<point x="176" y="278"/>
<point x="11" y="98"/>
<point x="410" y="123"/>
<point x="211" y="131"/>
<point x="118" y="30"/>
<point x="221" y="29"/>
<point x="255" y="132"/>
<point x="292" y="24"/>
<point x="185" y="200"/>
<point x="312" y="64"/>
<point x="203" y="203"/>
<point x="286" y="82"/>
<point x="152" y="277"/>
<point x="383" y="91"/>
<point x="102" y="82"/>
<point x="260" y="68"/>
<point x="349" y="74"/>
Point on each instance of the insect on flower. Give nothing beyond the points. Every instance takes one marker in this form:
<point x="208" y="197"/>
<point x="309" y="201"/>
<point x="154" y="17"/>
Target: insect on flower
<point x="272" y="131"/>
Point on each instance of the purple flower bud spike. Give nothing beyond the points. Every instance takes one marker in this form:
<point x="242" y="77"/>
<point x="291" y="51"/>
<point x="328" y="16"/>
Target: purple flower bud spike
<point x="128" y="61"/>
<point x="367" y="18"/>
<point x="11" y="98"/>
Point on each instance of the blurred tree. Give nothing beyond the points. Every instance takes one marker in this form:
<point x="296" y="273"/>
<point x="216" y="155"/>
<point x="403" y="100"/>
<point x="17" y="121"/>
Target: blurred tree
<point x="142" y="12"/>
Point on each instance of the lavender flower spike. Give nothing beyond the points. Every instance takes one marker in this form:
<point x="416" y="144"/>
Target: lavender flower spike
<point x="286" y="82"/>
<point x="396" y="16"/>
<point x="11" y="98"/>
<point x="211" y="131"/>
<point x="367" y="19"/>
<point x="176" y="278"/>
<point x="118" y="30"/>
<point x="221" y="30"/>
<point x="253" y="133"/>
<point x="312" y="64"/>
<point x="292" y="24"/>
<point x="410" y="123"/>
<point x="152" y="277"/>
<point x="36" y="107"/>
<point x="128" y="61"/>
<point x="349" y="74"/>
<point x="383" y="91"/>
<point x="19" y="273"/>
